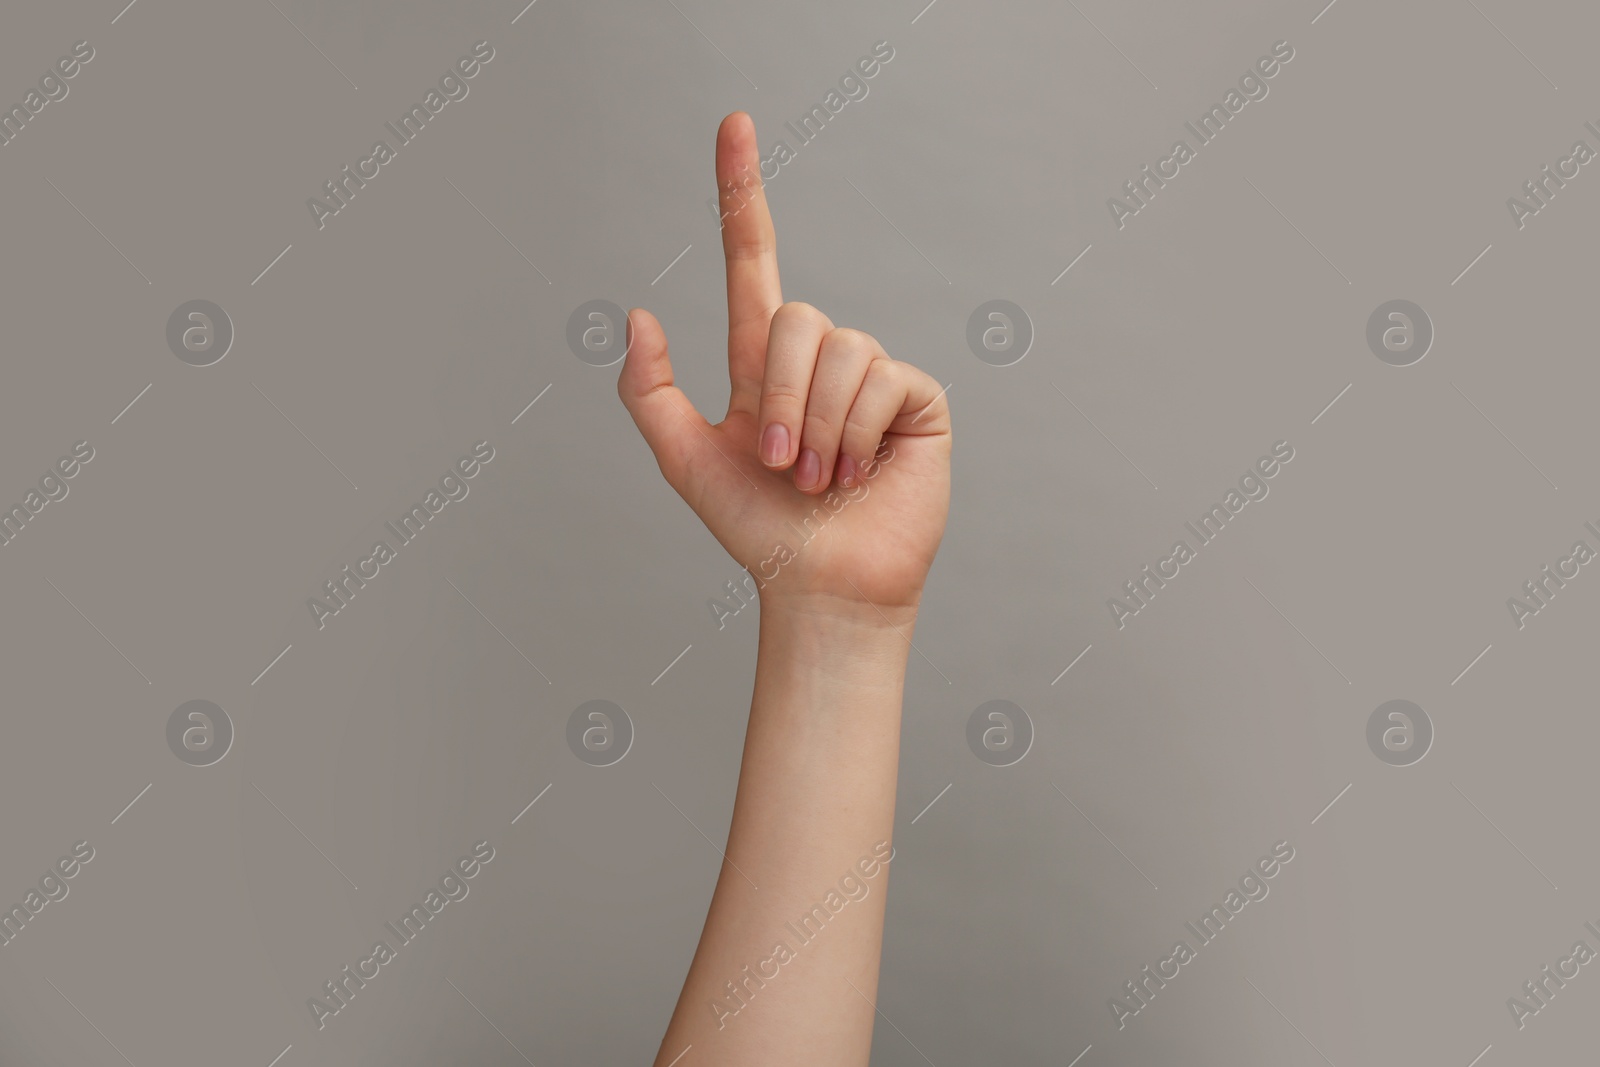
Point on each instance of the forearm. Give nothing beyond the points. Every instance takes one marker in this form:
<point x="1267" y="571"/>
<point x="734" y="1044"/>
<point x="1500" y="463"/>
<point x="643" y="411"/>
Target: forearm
<point x="797" y="917"/>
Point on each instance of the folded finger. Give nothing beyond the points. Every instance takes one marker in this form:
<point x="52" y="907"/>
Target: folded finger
<point x="842" y="365"/>
<point x="895" y="398"/>
<point x="791" y="358"/>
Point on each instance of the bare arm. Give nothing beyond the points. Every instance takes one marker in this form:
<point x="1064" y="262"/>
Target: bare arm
<point x="788" y="972"/>
<point x="828" y="479"/>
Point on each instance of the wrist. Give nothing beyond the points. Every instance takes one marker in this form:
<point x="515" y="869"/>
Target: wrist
<point x="833" y="637"/>
<point x="847" y="613"/>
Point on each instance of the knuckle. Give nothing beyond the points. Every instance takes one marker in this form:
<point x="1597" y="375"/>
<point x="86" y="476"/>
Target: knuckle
<point x="857" y="430"/>
<point x="849" y="341"/>
<point x="782" y="394"/>
<point x="820" y="432"/>
<point x="880" y="373"/>
<point x="800" y="313"/>
<point x="744" y="243"/>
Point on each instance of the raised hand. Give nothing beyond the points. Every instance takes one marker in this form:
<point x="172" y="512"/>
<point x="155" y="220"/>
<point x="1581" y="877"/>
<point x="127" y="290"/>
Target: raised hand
<point x="829" y="476"/>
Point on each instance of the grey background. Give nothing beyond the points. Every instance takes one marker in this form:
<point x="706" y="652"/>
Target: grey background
<point x="1222" y="719"/>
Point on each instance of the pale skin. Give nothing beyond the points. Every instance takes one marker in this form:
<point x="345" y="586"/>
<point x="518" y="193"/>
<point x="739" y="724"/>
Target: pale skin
<point x="810" y="406"/>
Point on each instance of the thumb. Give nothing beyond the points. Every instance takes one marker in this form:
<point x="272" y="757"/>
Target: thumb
<point x="668" y="421"/>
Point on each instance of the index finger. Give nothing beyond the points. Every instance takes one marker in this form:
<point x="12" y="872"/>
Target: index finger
<point x="749" y="245"/>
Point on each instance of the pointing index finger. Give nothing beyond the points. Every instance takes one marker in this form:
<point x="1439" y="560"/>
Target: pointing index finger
<point x="750" y="246"/>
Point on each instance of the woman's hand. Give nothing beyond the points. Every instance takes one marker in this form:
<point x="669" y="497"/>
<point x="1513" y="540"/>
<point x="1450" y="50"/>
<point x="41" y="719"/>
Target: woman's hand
<point x="829" y="477"/>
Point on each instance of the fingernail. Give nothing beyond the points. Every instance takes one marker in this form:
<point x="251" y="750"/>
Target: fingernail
<point x="808" y="472"/>
<point x="847" y="471"/>
<point x="775" y="444"/>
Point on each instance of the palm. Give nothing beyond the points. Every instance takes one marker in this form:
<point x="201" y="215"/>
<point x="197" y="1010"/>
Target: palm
<point x="873" y="539"/>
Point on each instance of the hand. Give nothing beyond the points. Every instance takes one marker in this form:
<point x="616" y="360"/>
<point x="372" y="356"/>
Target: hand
<point x="798" y="454"/>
